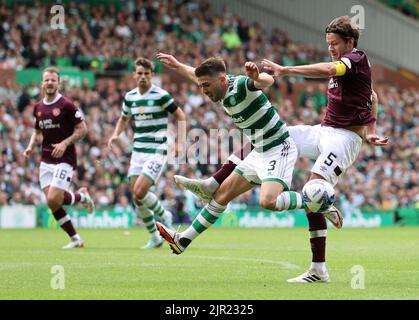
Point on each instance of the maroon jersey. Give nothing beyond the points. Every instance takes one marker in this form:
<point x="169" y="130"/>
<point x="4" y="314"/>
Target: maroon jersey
<point x="57" y="121"/>
<point x="349" y="96"/>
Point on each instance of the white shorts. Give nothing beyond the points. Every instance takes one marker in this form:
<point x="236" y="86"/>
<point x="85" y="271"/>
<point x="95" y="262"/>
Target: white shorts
<point x="334" y="149"/>
<point x="55" y="175"/>
<point x="150" y="165"/>
<point x="276" y="164"/>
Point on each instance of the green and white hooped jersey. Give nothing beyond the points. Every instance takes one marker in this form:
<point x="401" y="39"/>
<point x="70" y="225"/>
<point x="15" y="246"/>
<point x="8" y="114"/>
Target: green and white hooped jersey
<point x="252" y="112"/>
<point x="151" y="118"/>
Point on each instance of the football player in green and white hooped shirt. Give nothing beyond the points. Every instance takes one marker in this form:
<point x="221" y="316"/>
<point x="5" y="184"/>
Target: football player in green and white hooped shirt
<point x="270" y="163"/>
<point x="149" y="106"/>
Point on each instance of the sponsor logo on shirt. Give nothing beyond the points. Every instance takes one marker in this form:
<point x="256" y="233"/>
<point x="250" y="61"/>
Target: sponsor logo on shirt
<point x="332" y="84"/>
<point x="143" y="117"/>
<point x="47" y="124"/>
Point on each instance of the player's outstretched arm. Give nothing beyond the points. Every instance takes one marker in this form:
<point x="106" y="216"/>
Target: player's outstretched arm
<point x="120" y="126"/>
<point x="321" y="70"/>
<point x="181" y="129"/>
<point x="80" y="131"/>
<point x="35" y="137"/>
<point x="371" y="135"/>
<point x="261" y="80"/>
<point x="171" y="62"/>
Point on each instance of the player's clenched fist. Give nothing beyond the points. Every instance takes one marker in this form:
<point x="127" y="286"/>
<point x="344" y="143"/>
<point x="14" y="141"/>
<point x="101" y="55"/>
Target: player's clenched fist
<point x="252" y="70"/>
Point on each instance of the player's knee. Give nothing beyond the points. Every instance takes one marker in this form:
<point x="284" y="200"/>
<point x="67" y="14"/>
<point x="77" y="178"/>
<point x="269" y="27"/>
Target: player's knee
<point x="54" y="203"/>
<point x="140" y="193"/>
<point x="268" y="202"/>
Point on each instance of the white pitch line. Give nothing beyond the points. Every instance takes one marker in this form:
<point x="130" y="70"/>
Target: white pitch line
<point x="282" y="264"/>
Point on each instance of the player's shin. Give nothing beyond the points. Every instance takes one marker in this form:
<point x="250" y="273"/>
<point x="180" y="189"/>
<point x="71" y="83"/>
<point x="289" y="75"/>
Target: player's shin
<point x="289" y="200"/>
<point x="65" y="223"/>
<point x="148" y="219"/>
<point x="205" y="219"/>
<point x="153" y="203"/>
<point x="318" y="234"/>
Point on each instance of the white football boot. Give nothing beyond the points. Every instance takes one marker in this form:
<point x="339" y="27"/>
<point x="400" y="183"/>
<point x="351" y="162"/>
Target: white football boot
<point x="74" y="244"/>
<point x="310" y="276"/>
<point x="195" y="186"/>
<point x="154" y="242"/>
<point x="87" y="203"/>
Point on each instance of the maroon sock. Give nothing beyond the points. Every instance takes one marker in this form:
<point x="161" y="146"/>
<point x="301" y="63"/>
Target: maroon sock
<point x="316" y="222"/>
<point x="68" y="198"/>
<point x="224" y="172"/>
<point x="67" y="226"/>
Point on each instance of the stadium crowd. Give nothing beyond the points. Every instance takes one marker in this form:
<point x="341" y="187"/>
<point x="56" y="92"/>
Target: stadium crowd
<point x="383" y="178"/>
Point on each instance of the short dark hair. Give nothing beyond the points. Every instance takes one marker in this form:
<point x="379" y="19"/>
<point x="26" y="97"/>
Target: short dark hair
<point x="51" y="70"/>
<point x="345" y="28"/>
<point x="147" y="64"/>
<point x="211" y="67"/>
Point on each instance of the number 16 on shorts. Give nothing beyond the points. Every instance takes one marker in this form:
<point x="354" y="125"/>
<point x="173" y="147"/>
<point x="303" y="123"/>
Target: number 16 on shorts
<point x="62" y="175"/>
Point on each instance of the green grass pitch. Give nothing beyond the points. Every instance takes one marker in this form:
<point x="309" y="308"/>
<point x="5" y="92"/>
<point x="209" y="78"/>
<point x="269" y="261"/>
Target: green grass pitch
<point x="221" y="264"/>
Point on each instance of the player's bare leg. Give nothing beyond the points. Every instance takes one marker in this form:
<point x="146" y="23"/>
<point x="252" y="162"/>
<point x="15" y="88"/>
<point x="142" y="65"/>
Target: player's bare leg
<point x="55" y="201"/>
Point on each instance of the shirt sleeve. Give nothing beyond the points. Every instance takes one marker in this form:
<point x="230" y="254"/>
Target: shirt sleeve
<point x="76" y="115"/>
<point x="166" y="101"/>
<point x="351" y="61"/>
<point x="36" y="124"/>
<point x="250" y="84"/>
<point x="126" y="110"/>
<point x="172" y="107"/>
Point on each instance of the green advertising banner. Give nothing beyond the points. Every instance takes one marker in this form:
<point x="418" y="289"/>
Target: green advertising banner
<point x="260" y="218"/>
<point x="241" y="218"/>
<point x="73" y="76"/>
<point x="81" y="219"/>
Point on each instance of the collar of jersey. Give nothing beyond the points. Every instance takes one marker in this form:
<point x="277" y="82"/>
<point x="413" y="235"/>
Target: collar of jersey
<point x="142" y="95"/>
<point x="53" y="101"/>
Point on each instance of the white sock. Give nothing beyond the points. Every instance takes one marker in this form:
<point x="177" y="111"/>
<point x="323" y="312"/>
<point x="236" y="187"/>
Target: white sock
<point x="210" y="185"/>
<point x="205" y="219"/>
<point x="319" y="267"/>
<point x="289" y="200"/>
<point x="76" y="237"/>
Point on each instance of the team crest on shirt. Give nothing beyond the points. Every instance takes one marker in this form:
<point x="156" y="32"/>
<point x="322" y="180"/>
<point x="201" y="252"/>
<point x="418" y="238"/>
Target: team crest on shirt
<point x="150" y="102"/>
<point x="56" y="112"/>
<point x="232" y="100"/>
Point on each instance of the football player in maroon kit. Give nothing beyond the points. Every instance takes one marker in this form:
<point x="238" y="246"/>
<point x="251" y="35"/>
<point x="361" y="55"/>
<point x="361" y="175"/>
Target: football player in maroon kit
<point x="59" y="124"/>
<point x="350" y="118"/>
